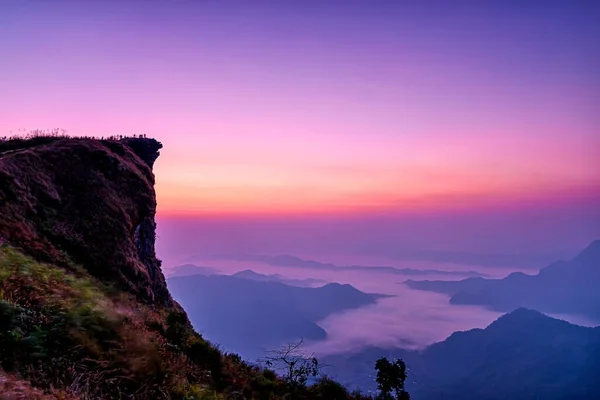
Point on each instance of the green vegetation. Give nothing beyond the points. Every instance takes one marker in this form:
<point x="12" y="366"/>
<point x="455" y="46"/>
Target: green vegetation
<point x="60" y="330"/>
<point x="390" y="378"/>
<point x="71" y="335"/>
<point x="84" y="308"/>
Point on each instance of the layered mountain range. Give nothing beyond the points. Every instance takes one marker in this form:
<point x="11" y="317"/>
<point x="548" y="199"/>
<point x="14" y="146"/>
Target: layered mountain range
<point x="564" y="287"/>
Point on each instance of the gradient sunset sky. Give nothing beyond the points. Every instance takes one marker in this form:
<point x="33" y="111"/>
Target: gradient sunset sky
<point x="322" y="107"/>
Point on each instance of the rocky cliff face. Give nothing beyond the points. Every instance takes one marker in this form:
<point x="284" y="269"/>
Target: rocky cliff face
<point x="83" y="212"/>
<point x="88" y="202"/>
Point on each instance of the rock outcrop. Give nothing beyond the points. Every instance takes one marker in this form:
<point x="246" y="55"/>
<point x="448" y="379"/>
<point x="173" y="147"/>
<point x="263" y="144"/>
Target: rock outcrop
<point x="87" y="202"/>
<point x="84" y="309"/>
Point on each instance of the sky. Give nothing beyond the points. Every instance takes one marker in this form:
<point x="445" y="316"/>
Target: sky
<point x="307" y="126"/>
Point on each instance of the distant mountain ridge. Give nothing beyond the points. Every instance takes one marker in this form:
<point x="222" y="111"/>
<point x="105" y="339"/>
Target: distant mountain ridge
<point x="250" y="274"/>
<point x="249" y="316"/>
<point x="522" y="355"/>
<point x="567" y="287"/>
<point x="296" y="262"/>
<point x="478" y="259"/>
<point x="191" y="269"/>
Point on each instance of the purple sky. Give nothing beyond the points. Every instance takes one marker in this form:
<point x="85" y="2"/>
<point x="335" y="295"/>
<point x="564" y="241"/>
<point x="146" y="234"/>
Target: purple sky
<point x="338" y="126"/>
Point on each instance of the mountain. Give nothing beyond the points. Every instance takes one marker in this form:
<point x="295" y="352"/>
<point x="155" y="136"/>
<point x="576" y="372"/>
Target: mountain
<point x="84" y="308"/>
<point x="191" y="269"/>
<point x="565" y="287"/>
<point x="522" y="355"/>
<point x="272" y="313"/>
<point x="478" y="259"/>
<point x="249" y="274"/>
<point x="296" y="262"/>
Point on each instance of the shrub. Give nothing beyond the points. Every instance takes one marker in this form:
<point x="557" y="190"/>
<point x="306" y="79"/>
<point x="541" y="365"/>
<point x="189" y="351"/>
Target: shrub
<point x="327" y="388"/>
<point x="203" y="354"/>
<point x="177" y="330"/>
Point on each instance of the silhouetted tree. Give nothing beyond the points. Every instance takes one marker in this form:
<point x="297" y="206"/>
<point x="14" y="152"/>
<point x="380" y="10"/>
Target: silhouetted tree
<point x="293" y="365"/>
<point x="390" y="378"/>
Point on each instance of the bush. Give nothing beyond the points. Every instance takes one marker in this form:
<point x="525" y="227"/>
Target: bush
<point x="327" y="388"/>
<point x="201" y="353"/>
<point x="177" y="330"/>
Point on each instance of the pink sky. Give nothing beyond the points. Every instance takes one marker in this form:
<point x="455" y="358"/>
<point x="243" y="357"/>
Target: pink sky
<point x="280" y="109"/>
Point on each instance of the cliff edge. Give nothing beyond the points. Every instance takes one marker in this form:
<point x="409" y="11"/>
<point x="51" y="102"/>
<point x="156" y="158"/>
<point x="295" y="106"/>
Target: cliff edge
<point x="84" y="308"/>
<point x="88" y="202"/>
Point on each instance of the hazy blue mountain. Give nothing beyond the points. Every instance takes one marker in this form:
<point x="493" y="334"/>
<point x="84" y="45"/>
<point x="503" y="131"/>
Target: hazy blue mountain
<point x="249" y="274"/>
<point x="296" y="262"/>
<point x="479" y="259"/>
<point x="191" y="269"/>
<point x="249" y="316"/>
<point x="562" y="287"/>
<point x="521" y="355"/>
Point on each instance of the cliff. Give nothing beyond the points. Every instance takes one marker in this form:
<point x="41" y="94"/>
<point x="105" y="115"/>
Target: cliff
<point x="89" y="202"/>
<point x="84" y="308"/>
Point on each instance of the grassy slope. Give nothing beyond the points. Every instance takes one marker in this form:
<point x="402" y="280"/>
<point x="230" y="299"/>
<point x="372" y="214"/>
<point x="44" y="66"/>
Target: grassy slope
<point x="69" y="333"/>
<point x="72" y="336"/>
<point x="84" y="308"/>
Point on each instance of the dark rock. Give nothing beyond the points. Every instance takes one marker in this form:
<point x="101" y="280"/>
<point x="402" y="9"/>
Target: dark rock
<point x="86" y="201"/>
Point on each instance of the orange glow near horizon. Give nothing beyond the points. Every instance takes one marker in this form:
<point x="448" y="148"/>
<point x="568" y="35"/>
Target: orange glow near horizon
<point x="300" y="175"/>
<point x="353" y="194"/>
<point x="184" y="206"/>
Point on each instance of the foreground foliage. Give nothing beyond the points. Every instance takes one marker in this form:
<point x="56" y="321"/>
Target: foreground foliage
<point x="390" y="379"/>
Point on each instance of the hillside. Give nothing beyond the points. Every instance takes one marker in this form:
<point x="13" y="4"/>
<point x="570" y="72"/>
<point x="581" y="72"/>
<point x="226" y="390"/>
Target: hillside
<point x="569" y="287"/>
<point x="84" y="307"/>
<point x="272" y="313"/>
<point x="522" y="355"/>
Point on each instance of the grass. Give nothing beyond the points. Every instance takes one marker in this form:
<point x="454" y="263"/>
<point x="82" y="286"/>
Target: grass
<point x="60" y="329"/>
<point x="70" y="335"/>
<point x="41" y="137"/>
<point x="66" y="330"/>
<point x="86" y="313"/>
